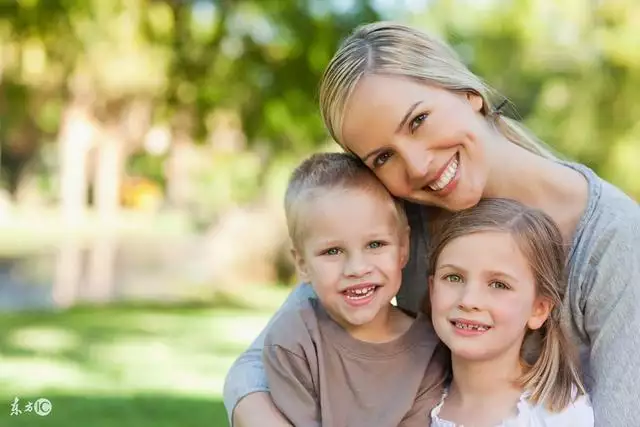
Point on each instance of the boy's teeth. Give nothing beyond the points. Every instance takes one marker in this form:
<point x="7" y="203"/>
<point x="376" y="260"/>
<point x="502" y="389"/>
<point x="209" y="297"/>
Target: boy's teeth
<point x="446" y="176"/>
<point x="359" y="293"/>
<point x="479" y="328"/>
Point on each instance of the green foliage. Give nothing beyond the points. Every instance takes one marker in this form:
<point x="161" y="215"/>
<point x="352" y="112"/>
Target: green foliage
<point x="571" y="69"/>
<point x="136" y="365"/>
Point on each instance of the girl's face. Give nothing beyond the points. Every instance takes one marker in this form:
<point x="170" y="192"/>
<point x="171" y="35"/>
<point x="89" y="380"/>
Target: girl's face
<point x="483" y="296"/>
<point x="425" y="144"/>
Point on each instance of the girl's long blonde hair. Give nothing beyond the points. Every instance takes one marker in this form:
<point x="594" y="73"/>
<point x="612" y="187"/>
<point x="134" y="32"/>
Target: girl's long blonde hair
<point x="553" y="374"/>
<point x="387" y="48"/>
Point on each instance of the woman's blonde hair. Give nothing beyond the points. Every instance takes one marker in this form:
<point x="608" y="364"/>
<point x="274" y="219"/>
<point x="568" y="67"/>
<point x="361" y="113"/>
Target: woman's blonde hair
<point x="386" y="48"/>
<point x="553" y="373"/>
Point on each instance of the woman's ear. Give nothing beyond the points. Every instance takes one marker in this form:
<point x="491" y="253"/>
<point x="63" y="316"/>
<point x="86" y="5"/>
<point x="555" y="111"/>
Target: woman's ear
<point x="476" y="101"/>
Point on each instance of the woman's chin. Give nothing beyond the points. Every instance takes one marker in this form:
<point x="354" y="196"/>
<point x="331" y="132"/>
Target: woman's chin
<point x="454" y="202"/>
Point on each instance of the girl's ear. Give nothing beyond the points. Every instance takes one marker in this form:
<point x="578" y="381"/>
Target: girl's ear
<point x="540" y="313"/>
<point x="426" y="302"/>
<point x="430" y="286"/>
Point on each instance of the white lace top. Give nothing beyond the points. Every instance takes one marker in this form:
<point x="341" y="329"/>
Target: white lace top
<point x="577" y="414"/>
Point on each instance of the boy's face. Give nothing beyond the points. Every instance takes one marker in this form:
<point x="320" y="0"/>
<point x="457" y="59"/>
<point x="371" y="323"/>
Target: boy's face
<point x="352" y="251"/>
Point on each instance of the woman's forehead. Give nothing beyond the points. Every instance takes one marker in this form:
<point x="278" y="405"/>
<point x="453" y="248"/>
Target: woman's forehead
<point x="378" y="105"/>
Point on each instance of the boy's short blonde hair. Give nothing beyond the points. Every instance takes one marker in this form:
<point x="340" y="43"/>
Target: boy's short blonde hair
<point x="323" y="172"/>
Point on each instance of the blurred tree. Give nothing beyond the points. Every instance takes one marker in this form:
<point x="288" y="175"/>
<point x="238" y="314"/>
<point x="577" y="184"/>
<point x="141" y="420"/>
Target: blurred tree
<point x="96" y="75"/>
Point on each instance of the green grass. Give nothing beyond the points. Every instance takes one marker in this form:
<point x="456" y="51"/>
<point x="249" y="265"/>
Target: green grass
<point x="126" y="366"/>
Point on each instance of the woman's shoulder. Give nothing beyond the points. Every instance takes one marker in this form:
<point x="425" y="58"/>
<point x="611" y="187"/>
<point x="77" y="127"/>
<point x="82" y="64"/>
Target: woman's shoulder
<point x="607" y="203"/>
<point x="611" y="221"/>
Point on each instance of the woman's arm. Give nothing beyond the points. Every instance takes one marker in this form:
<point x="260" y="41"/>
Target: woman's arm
<point x="257" y="409"/>
<point x="611" y="319"/>
<point x="247" y="377"/>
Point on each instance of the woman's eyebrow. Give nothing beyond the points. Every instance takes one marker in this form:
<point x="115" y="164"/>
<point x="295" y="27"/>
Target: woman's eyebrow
<point x="407" y="115"/>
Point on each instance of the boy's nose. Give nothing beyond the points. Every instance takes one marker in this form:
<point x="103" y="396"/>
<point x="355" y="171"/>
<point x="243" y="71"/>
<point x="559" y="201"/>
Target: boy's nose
<point x="357" y="266"/>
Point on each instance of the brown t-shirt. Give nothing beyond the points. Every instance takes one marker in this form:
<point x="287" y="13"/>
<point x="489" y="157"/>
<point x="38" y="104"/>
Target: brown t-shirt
<point x="319" y="375"/>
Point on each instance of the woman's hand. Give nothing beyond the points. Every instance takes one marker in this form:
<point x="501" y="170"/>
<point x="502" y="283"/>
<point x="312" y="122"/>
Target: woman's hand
<point x="258" y="410"/>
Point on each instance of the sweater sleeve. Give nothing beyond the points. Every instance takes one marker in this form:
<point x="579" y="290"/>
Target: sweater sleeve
<point x="611" y="320"/>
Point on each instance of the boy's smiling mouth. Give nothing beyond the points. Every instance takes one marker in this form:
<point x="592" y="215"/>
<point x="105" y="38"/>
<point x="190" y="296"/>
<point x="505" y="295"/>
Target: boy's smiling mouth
<point x="360" y="294"/>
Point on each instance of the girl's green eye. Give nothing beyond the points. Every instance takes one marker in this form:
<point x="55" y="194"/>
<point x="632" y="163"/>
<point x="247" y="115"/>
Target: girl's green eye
<point x="375" y="245"/>
<point x="332" y="251"/>
<point x="499" y="285"/>
<point x="453" y="278"/>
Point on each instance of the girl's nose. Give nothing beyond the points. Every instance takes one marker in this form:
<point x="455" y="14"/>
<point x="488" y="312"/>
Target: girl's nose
<point x="470" y="298"/>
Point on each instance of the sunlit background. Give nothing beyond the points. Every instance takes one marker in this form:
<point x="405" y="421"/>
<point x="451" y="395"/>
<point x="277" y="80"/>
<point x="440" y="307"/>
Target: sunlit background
<point x="145" y="146"/>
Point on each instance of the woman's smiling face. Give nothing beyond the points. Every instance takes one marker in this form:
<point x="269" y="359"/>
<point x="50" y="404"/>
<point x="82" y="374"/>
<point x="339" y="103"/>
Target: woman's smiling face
<point x="426" y="144"/>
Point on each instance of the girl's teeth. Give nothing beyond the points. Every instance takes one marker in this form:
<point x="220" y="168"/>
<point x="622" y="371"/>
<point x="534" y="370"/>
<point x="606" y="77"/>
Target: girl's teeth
<point x="446" y="176"/>
<point x="479" y="328"/>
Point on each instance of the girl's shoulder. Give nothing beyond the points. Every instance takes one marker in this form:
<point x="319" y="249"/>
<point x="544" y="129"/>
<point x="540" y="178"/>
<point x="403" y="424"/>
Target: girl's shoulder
<point x="577" y="413"/>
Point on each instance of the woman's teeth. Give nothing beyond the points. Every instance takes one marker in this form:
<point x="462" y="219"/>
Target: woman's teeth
<point x="446" y="176"/>
<point x="360" y="293"/>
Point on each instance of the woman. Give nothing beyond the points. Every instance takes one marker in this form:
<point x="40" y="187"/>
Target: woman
<point x="426" y="125"/>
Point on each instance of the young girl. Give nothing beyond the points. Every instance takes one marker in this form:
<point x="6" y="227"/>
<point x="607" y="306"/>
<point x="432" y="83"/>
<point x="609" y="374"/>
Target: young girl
<point x="496" y="283"/>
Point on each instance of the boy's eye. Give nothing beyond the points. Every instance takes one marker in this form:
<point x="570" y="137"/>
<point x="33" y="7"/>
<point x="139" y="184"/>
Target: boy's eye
<point x="454" y="278"/>
<point x="499" y="285"/>
<point x="376" y="244"/>
<point x="332" y="251"/>
<point x="417" y="121"/>
<point x="381" y="159"/>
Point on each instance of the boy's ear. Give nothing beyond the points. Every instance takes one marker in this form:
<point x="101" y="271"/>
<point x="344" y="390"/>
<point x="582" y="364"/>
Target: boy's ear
<point x="405" y="246"/>
<point x="301" y="265"/>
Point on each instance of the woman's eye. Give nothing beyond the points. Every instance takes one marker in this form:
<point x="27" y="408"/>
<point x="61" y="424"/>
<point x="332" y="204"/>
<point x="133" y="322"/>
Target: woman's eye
<point x="454" y="278"/>
<point x="381" y="159"/>
<point x="417" y="121"/>
<point x="499" y="285"/>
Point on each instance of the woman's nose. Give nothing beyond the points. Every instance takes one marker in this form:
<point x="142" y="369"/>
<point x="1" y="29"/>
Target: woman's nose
<point x="417" y="161"/>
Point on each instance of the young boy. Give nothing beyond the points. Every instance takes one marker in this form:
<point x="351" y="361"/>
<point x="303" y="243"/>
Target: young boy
<point x="349" y="357"/>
